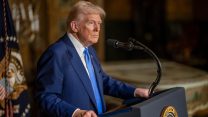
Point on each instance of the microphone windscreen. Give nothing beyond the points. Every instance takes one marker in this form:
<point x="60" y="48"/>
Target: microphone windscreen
<point x="112" y="42"/>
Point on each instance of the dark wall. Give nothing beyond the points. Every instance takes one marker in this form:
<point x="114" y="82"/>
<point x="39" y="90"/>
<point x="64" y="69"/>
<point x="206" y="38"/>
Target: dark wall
<point x="174" y="29"/>
<point x="145" y="22"/>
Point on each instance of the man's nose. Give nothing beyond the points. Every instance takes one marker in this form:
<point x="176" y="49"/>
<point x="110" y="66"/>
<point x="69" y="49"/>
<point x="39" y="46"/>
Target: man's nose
<point x="97" y="27"/>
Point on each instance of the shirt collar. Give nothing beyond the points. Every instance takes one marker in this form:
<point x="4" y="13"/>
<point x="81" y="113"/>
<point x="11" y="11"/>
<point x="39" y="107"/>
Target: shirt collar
<point x="78" y="46"/>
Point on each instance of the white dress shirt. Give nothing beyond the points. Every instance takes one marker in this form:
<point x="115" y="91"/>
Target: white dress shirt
<point x="79" y="48"/>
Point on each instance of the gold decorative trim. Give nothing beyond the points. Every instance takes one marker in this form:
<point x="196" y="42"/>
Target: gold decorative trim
<point x="169" y="111"/>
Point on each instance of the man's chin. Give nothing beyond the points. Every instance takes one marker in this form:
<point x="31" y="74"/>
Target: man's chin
<point x="94" y="40"/>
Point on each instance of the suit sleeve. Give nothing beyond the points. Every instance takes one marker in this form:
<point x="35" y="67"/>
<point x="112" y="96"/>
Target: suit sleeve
<point x="117" y="88"/>
<point x="49" y="87"/>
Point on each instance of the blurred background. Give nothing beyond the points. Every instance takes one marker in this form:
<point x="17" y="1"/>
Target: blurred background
<point x="176" y="30"/>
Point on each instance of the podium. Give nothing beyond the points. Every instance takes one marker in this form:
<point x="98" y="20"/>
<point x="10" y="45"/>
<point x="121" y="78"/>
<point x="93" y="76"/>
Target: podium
<point x="167" y="103"/>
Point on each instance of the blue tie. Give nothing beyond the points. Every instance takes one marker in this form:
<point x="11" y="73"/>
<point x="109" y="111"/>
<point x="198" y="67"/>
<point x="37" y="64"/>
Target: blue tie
<point x="93" y="80"/>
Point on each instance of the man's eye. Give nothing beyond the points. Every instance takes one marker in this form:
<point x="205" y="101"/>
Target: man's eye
<point x="90" y="22"/>
<point x="100" y="23"/>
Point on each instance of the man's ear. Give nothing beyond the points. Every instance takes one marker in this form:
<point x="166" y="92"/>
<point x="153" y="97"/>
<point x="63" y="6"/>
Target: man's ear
<point x="74" y="26"/>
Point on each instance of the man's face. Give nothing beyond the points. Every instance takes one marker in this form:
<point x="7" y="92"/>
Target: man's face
<point x="89" y="29"/>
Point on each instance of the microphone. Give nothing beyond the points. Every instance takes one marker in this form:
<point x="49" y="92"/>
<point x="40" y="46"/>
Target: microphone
<point x="139" y="46"/>
<point x="117" y="44"/>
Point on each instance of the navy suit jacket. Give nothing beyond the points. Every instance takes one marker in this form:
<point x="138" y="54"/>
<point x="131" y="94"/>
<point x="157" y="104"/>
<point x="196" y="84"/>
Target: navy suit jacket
<point x="63" y="85"/>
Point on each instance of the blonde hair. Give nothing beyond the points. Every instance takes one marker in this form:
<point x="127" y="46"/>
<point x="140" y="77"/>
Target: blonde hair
<point x="84" y="8"/>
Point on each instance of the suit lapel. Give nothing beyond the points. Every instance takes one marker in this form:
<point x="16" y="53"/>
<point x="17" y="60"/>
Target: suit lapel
<point x="80" y="69"/>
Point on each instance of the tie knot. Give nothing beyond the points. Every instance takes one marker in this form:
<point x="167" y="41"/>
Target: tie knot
<point x="86" y="51"/>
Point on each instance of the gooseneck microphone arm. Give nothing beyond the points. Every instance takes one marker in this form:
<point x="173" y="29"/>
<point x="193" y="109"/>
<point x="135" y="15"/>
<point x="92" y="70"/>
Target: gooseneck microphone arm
<point x="130" y="46"/>
<point x="156" y="59"/>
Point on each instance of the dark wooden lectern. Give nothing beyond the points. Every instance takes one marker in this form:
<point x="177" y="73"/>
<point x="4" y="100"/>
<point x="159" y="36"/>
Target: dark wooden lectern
<point x="168" y="103"/>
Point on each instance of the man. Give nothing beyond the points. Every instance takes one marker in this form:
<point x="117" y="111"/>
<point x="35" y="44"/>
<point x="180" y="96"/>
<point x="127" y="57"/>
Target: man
<point x="70" y="80"/>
